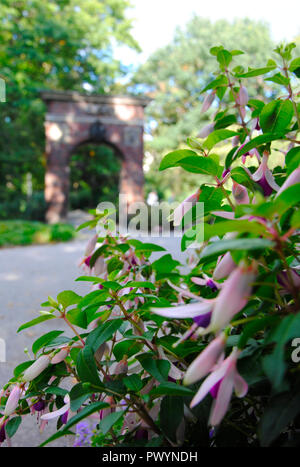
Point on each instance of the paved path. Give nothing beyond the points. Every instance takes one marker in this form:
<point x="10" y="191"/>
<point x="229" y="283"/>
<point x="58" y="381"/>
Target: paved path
<point x="27" y="276"/>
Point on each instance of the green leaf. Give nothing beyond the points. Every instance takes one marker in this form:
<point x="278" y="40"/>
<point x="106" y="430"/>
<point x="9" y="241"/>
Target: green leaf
<point x="215" y="249"/>
<point x="224" y="58"/>
<point x="171" y="415"/>
<point x="216" y="136"/>
<point x="274" y="364"/>
<point x="200" y="165"/>
<point x="141" y="284"/>
<point x="133" y="382"/>
<point x="68" y="298"/>
<point x="78" y="317"/>
<point x="107" y="422"/>
<point x="22" y="367"/>
<point x="280" y="412"/>
<point x="127" y="347"/>
<point x="159" y="369"/>
<point x="84" y="413"/>
<point x="295" y="66"/>
<point x="257" y="71"/>
<point x="255" y="326"/>
<point x="165" y="264"/>
<point x="278" y="78"/>
<point x="78" y="395"/>
<point x="225" y="121"/>
<point x="45" y="340"/>
<point x="292" y="160"/>
<point x="149" y="247"/>
<point x="35" y="321"/>
<point x="276" y="116"/>
<point x="86" y="366"/>
<point x="241" y="226"/>
<point x="219" y="81"/>
<point x="172" y="158"/>
<point x="259" y="141"/>
<point x="103" y="333"/>
<point x="12" y="426"/>
<point x="171" y="389"/>
<point x="56" y="390"/>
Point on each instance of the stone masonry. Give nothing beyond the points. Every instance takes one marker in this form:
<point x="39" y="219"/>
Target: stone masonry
<point x="73" y="119"/>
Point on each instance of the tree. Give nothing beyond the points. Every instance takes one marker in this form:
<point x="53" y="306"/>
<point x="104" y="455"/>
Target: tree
<point x="175" y="75"/>
<point x="58" y="44"/>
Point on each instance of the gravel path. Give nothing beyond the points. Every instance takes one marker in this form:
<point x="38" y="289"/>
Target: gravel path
<point x="27" y="276"/>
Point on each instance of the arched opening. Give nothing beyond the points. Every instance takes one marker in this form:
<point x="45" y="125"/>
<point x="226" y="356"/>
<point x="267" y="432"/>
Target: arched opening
<point x="94" y="175"/>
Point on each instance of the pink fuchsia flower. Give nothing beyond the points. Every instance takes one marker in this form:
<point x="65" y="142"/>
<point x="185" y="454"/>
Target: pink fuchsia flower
<point x="36" y="368"/>
<point x="91" y="245"/>
<point x="184" y="207"/>
<point x="264" y="177"/>
<point x="251" y="153"/>
<point x="207" y="281"/>
<point x="240" y="194"/>
<point x="220" y="383"/>
<point x="12" y="401"/>
<point x="224" y="267"/>
<point x="232" y="298"/>
<point x="63" y="411"/>
<point x="242" y="96"/>
<point x="60" y="356"/>
<point x="208" y="100"/>
<point x="292" y="179"/>
<point x="206" y="130"/>
<point x="206" y="361"/>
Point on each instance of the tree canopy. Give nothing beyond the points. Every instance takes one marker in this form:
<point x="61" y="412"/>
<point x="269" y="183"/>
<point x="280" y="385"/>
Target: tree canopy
<point x="58" y="44"/>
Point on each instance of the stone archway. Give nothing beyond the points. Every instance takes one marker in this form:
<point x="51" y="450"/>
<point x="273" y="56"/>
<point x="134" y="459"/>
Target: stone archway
<point x="73" y="119"/>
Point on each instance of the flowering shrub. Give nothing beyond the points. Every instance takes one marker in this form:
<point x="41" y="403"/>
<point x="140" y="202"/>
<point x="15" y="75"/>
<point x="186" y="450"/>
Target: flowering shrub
<point x="159" y="357"/>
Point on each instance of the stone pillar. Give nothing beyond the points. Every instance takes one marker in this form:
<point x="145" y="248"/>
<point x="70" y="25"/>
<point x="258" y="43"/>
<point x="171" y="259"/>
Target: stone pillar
<point x="132" y="175"/>
<point x="57" y="181"/>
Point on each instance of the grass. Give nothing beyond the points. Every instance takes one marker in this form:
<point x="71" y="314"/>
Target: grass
<point x="19" y="232"/>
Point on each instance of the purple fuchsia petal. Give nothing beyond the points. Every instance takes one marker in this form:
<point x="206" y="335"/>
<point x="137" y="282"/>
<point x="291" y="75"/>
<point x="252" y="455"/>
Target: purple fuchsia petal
<point x="202" y="320"/>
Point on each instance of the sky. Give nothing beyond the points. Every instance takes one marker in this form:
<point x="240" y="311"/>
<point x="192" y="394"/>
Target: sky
<point x="155" y="20"/>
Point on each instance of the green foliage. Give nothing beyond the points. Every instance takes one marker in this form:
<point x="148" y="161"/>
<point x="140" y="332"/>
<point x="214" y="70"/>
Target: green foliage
<point x="64" y="45"/>
<point x="227" y="326"/>
<point x="28" y="232"/>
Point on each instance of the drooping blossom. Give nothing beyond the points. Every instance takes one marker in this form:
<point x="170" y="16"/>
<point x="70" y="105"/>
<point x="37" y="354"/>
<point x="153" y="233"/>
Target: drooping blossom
<point x="91" y="245"/>
<point x="184" y="207"/>
<point x="232" y="298"/>
<point x="242" y="96"/>
<point x="206" y="130"/>
<point x="12" y="401"/>
<point x="206" y="360"/>
<point x="240" y="193"/>
<point x="223" y="379"/>
<point x="208" y="100"/>
<point x="213" y="315"/>
<point x="264" y="177"/>
<point x="292" y="179"/>
<point x="36" y="368"/>
<point x="207" y="281"/>
<point x="60" y="356"/>
<point x="63" y="411"/>
<point x="224" y="267"/>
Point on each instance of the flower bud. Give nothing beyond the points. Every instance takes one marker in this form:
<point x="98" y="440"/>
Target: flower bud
<point x="36" y="368"/>
<point x="292" y="179"/>
<point x="206" y="130"/>
<point x="91" y="245"/>
<point x="60" y="356"/>
<point x="209" y="98"/>
<point x="12" y="401"/>
<point x="122" y="367"/>
<point x="242" y="96"/>
<point x="240" y="194"/>
<point x="224" y="267"/>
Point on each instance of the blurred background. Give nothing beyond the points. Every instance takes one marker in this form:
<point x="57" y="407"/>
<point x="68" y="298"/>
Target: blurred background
<point x="158" y="49"/>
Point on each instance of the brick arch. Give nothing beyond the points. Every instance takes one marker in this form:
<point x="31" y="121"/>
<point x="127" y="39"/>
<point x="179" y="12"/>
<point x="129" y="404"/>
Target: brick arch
<point x="71" y="120"/>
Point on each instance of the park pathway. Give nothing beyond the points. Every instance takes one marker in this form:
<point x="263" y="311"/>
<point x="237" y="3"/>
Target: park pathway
<point x="27" y="276"/>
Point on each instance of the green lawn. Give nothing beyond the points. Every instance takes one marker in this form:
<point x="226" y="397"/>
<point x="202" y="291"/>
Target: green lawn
<point x="29" y="232"/>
